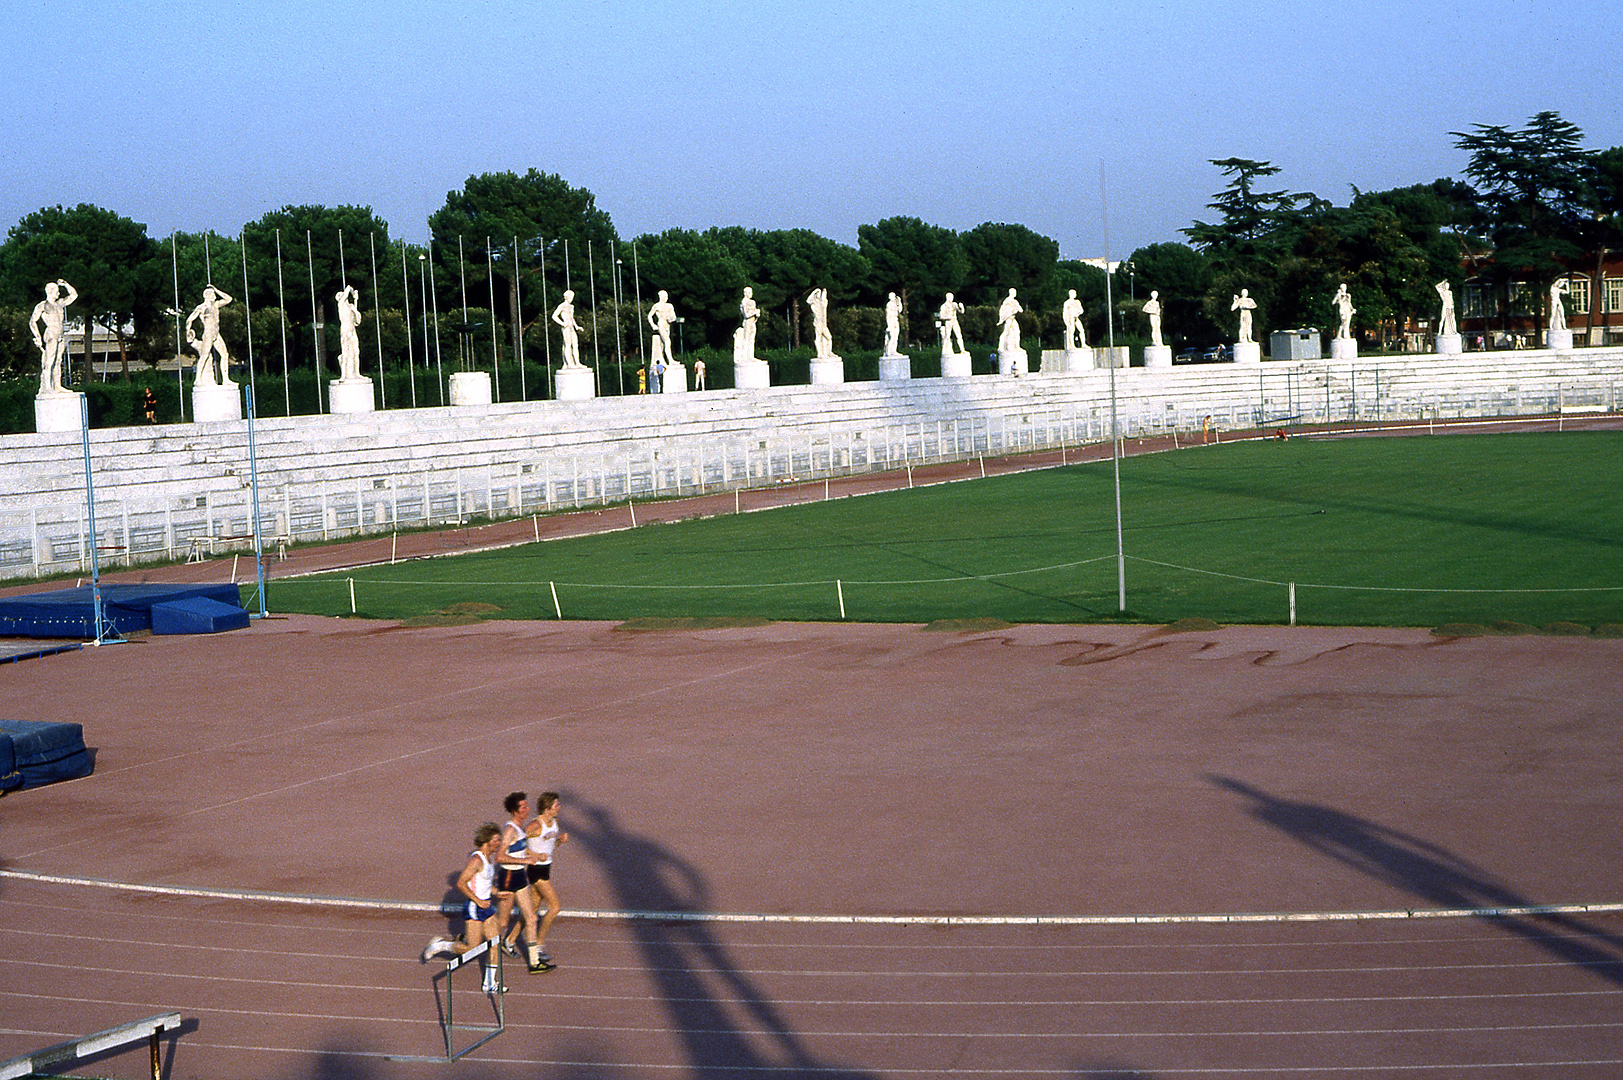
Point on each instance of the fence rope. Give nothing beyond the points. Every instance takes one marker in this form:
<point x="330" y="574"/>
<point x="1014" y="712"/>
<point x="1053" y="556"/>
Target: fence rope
<point x="812" y="583"/>
<point x="1370" y="588"/>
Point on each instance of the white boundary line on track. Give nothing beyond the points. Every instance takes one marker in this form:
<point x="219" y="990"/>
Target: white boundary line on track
<point x="1395" y="914"/>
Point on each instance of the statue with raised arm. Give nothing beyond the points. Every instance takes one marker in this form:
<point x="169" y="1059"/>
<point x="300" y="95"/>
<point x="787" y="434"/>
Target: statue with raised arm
<point x="1446" y="324"/>
<point x="213" y="361"/>
<point x="1008" y="338"/>
<point x="893" y="324"/>
<point x="564" y="316"/>
<point x="1245" y="306"/>
<point x="1558" y="310"/>
<point x="817" y="300"/>
<point x="45" y="324"/>
<point x="750" y="312"/>
<point x="947" y="319"/>
<point x="349" y="334"/>
<point x="661" y="316"/>
<point x="1070" y="314"/>
<point x="1344" y="312"/>
<point x="1152" y="308"/>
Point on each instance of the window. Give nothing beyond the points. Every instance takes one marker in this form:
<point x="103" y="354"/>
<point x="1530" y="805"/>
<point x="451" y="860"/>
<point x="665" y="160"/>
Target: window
<point x="1578" y="301"/>
<point x="1612" y="302"/>
<point x="1520" y="298"/>
<point x="1478" y="301"/>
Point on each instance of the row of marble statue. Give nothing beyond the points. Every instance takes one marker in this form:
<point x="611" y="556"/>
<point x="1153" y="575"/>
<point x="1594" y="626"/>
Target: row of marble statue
<point x="202" y="328"/>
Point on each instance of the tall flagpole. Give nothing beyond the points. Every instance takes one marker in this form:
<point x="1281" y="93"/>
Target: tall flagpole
<point x="377" y="319"/>
<point x="1115" y="422"/>
<point x="281" y="301"/>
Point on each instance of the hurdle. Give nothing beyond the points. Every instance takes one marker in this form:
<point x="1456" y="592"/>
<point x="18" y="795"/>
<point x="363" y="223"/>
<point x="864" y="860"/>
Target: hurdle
<point x="451" y="1026"/>
<point x="53" y="1057"/>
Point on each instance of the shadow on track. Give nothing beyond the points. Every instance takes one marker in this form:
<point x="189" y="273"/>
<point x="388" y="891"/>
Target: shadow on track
<point x="727" y="1025"/>
<point x="1432" y="874"/>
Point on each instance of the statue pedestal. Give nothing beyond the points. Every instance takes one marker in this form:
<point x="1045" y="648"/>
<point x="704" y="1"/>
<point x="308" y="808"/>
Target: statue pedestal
<point x="675" y="379"/>
<point x="57" y="412"/>
<point x="1449" y="345"/>
<point x="955" y="365"/>
<point x="355" y="395"/>
<point x="895" y="368"/>
<point x="827" y="370"/>
<point x="213" y="404"/>
<point x="467" y="388"/>
<point x="1158" y="356"/>
<point x="1247" y="352"/>
<point x="1013" y="362"/>
<point x="1343" y="348"/>
<point x="576" y="384"/>
<point x="752" y="374"/>
<point x="1560" y="340"/>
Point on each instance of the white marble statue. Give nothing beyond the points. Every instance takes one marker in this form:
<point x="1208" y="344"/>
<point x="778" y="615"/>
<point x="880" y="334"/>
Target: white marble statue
<point x="1070" y="313"/>
<point x="1245" y="306"/>
<point x="947" y="319"/>
<point x="349" y="334"/>
<point x="750" y="312"/>
<point x="45" y="324"/>
<point x="893" y="324"/>
<point x="661" y="317"/>
<point x="213" y="361"/>
<point x="817" y="300"/>
<point x="1446" y="324"/>
<point x="1558" y="310"/>
<point x="1344" y="312"/>
<point x="564" y="316"/>
<point x="1152" y="308"/>
<point x="1008" y="337"/>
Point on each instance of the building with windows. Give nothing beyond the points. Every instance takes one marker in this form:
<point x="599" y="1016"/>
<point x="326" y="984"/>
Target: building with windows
<point x="1514" y="314"/>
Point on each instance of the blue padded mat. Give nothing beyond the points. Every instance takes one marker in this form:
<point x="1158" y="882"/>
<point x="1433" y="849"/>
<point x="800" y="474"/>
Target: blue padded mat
<point x="196" y="615"/>
<point x="41" y="751"/>
<point x="69" y="613"/>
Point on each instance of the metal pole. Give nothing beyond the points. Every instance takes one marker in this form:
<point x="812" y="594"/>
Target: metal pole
<point x="1115" y="421"/>
<point x="619" y="338"/>
<point x="546" y="329"/>
<point x="495" y="358"/>
<point x="636" y="285"/>
<point x="102" y="629"/>
<point x="433" y="294"/>
<point x="591" y="290"/>
<point x="518" y="322"/>
<point x="405" y="292"/>
<point x="180" y="377"/>
<point x="315" y="318"/>
<point x="464" y="339"/>
<point x="253" y="473"/>
<point x="377" y="317"/>
<point x="281" y="300"/>
<point x="247" y="305"/>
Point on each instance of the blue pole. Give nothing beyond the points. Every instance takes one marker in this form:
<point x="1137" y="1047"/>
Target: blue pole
<point x="253" y="473"/>
<point x="102" y="629"/>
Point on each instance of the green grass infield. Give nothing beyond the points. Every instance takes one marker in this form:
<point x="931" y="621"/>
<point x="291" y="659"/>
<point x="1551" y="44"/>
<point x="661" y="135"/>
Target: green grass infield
<point x="1479" y="530"/>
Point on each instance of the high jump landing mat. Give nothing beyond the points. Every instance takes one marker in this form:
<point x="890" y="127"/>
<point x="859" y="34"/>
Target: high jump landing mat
<point x="70" y="613"/>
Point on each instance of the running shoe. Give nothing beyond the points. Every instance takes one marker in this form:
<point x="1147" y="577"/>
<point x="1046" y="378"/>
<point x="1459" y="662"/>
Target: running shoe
<point x="542" y="967"/>
<point x="509" y="948"/>
<point x="435" y="947"/>
<point x="546" y="957"/>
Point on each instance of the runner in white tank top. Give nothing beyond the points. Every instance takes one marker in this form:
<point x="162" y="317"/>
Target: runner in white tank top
<point x="544" y="838"/>
<point x="476" y="883"/>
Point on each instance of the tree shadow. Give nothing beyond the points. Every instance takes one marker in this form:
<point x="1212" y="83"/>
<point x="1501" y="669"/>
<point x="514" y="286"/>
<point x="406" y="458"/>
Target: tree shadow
<point x="727" y="1024"/>
<point x="1432" y="874"/>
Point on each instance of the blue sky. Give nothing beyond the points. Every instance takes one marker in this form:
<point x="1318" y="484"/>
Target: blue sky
<point x="776" y="113"/>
